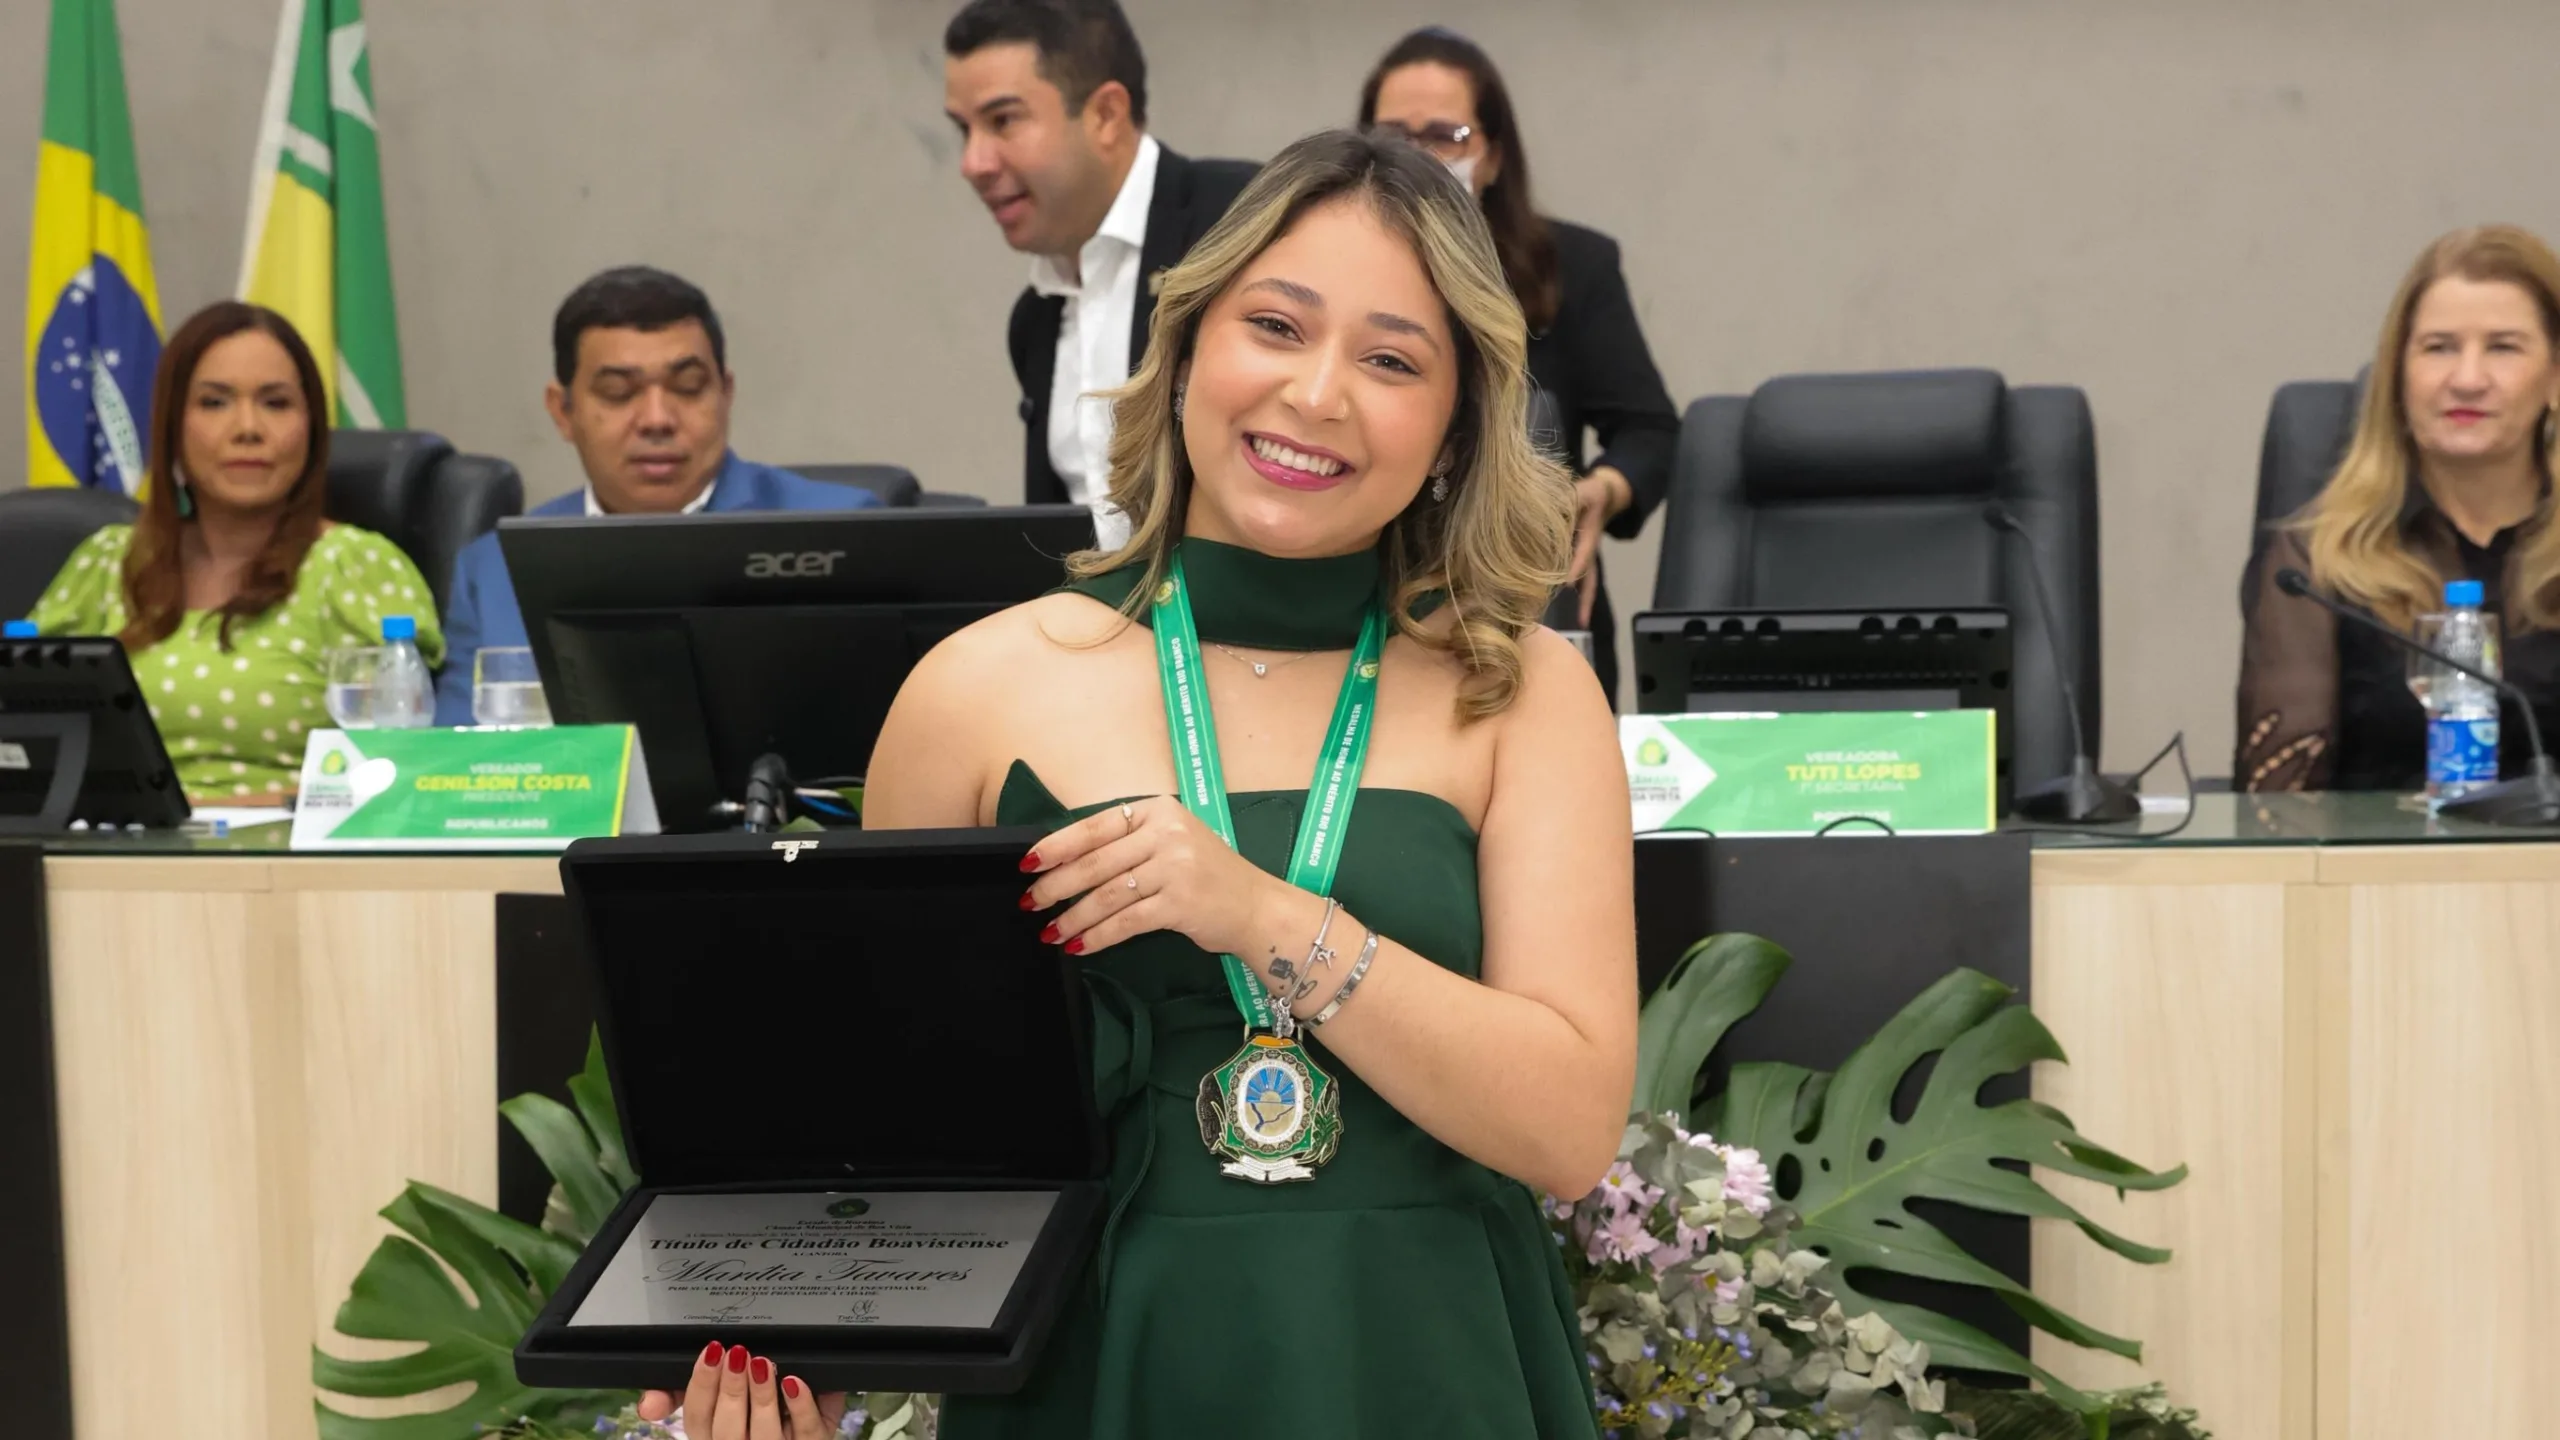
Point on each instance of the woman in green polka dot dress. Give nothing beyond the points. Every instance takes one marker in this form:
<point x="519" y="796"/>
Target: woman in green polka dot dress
<point x="231" y="586"/>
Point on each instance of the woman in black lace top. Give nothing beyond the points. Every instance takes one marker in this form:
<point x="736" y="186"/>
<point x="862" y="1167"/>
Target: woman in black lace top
<point x="2448" y="478"/>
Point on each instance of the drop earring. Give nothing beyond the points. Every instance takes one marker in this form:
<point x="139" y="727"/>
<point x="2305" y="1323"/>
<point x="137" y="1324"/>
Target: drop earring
<point x="186" y="495"/>
<point x="1178" y="392"/>
<point x="1440" y="481"/>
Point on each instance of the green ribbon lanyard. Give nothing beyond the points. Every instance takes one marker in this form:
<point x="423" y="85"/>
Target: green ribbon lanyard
<point x="1203" y="778"/>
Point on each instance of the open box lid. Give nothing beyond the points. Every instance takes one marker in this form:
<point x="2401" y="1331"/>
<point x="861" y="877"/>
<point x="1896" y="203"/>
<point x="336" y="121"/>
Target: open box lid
<point x="844" y="1006"/>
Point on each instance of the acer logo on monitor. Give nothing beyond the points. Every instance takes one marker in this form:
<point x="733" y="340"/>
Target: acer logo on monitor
<point x="792" y="564"/>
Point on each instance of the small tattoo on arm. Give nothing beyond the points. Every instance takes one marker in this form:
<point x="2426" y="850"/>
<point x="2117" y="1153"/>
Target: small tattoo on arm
<point x="1282" y="970"/>
<point x="1305" y="988"/>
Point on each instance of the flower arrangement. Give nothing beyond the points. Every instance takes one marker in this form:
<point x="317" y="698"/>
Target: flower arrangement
<point x="1701" y="1319"/>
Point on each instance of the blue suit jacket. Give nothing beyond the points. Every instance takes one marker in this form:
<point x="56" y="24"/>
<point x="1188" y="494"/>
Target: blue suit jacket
<point x="483" y="608"/>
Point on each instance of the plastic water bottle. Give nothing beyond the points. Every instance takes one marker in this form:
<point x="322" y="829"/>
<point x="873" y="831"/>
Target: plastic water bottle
<point x="404" y="694"/>
<point x="2462" y="713"/>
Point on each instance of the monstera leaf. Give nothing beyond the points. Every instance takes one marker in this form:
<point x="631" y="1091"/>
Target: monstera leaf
<point x="583" y="1151"/>
<point x="1720" y="980"/>
<point x="508" y="1269"/>
<point x="1854" y="1168"/>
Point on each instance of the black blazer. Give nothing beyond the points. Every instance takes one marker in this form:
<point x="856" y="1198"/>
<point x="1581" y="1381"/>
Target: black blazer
<point x="1190" y="197"/>
<point x="1596" y="374"/>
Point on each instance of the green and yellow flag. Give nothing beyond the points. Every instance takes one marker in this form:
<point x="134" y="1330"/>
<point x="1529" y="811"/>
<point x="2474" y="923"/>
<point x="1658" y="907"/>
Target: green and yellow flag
<point x="93" y="311"/>
<point x="316" y="249"/>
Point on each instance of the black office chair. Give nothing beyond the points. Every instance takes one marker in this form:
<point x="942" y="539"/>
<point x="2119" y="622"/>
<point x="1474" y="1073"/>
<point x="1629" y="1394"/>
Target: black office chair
<point x="39" y="528"/>
<point x="417" y="490"/>
<point x="2308" y="426"/>
<point x="1825" y="492"/>
<point x="894" y="484"/>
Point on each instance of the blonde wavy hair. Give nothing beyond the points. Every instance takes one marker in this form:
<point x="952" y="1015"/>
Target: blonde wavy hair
<point x="2352" y="529"/>
<point x="1499" y="546"/>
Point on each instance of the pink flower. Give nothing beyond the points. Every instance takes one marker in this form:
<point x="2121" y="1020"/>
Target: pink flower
<point x="1682" y="1248"/>
<point x="1746" y="1181"/>
<point x="1728" y="1292"/>
<point x="1622" y="1189"/>
<point x="1624" y="1238"/>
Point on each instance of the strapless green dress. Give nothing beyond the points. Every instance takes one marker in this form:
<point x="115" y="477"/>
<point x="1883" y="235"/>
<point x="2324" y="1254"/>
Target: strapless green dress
<point x="1407" y="1291"/>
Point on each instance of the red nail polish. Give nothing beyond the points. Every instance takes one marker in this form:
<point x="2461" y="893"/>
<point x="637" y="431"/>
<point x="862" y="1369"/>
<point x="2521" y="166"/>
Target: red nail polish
<point x="763" y="1372"/>
<point x="711" y="1355"/>
<point x="1049" y="935"/>
<point x="791" y="1386"/>
<point x="738" y="1360"/>
<point x="1076" y="946"/>
<point x="1028" y="903"/>
<point x="1030" y="862"/>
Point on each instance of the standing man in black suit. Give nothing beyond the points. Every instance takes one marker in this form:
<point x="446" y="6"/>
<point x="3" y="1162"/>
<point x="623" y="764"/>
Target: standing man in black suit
<point x="1051" y="100"/>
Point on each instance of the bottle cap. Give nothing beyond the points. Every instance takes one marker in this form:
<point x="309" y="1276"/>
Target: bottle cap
<point x="17" y="630"/>
<point x="399" y="627"/>
<point x="2462" y="592"/>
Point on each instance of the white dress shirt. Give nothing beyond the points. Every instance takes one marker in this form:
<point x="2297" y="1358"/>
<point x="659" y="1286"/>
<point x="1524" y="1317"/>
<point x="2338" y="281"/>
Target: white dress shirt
<point x="1093" y="342"/>
<point x="691" y="507"/>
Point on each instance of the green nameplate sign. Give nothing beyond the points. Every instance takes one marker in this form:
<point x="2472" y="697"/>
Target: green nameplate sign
<point x="471" y="789"/>
<point x="1921" y="772"/>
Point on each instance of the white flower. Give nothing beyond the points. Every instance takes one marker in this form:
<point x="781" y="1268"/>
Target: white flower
<point x="1746" y="1180"/>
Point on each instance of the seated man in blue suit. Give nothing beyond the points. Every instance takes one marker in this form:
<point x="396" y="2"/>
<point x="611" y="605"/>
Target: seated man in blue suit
<point x="642" y="389"/>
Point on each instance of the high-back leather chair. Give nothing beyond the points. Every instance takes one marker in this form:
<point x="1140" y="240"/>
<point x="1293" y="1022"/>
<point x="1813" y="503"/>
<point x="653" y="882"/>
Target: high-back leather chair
<point x="2308" y="426"/>
<point x="894" y="484"/>
<point x="426" y="497"/>
<point x="1824" y="492"/>
<point x="39" y="528"/>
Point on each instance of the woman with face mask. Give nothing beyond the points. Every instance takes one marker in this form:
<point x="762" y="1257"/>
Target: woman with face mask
<point x="2448" y="478"/>
<point x="1586" y="352"/>
<point x="1305" y="765"/>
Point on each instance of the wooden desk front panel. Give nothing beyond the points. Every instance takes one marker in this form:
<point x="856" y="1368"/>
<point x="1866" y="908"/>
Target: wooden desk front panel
<point x="253" y="1057"/>
<point x="2357" y="1051"/>
<point x="2440" y="1155"/>
<point x="2165" y="981"/>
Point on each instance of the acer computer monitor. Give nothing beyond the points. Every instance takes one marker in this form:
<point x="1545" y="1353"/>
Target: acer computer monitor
<point x="725" y="638"/>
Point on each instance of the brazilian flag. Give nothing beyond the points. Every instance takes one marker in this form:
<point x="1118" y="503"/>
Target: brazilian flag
<point x="93" y="311"/>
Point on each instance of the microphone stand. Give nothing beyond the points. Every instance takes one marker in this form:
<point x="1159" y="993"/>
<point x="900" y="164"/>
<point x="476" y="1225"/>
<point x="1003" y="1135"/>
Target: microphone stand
<point x="2533" y="799"/>
<point x="2084" y="796"/>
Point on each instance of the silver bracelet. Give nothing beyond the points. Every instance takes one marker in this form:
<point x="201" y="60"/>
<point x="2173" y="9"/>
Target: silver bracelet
<point x="1282" y="1025"/>
<point x="1350" y="982"/>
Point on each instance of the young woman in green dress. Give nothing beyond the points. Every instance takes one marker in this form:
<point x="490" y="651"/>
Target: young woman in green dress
<point x="1331" y="421"/>
<point x="230" y="587"/>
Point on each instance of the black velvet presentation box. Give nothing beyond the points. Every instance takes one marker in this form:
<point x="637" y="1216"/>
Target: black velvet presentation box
<point x="839" y="1012"/>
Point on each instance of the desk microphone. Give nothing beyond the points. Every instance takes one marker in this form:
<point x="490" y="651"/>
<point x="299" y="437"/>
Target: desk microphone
<point x="769" y="792"/>
<point x="2531" y="800"/>
<point x="2084" y="796"/>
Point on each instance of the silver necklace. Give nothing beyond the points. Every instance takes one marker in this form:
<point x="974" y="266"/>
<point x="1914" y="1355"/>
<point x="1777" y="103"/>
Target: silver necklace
<point x="1261" y="668"/>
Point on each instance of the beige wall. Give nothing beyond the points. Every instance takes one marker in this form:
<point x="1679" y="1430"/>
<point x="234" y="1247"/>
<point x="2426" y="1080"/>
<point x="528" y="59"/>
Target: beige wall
<point x="2176" y="204"/>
